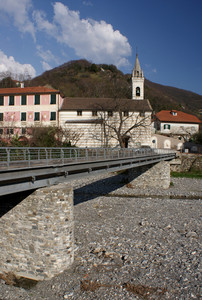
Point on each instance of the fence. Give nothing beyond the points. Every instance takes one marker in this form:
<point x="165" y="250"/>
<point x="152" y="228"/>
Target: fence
<point x="16" y="157"/>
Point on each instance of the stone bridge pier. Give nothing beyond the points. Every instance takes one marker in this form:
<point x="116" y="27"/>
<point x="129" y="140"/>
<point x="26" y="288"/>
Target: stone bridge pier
<point x="37" y="239"/>
<point x="153" y="176"/>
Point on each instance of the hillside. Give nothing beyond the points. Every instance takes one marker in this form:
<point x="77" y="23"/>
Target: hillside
<point x="81" y="78"/>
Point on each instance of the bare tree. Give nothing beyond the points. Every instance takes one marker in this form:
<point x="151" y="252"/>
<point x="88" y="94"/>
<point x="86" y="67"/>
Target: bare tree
<point x="68" y="136"/>
<point x="122" y="122"/>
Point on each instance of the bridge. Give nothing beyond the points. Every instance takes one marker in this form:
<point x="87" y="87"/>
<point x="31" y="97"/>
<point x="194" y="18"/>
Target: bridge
<point x="27" y="168"/>
<point x="37" y="235"/>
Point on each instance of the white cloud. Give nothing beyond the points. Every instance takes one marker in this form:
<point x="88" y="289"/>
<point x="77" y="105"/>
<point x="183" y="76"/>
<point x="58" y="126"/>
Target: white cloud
<point x="47" y="57"/>
<point x="87" y="3"/>
<point x="18" y="10"/>
<point x="46" y="66"/>
<point x="93" y="40"/>
<point x="8" y="66"/>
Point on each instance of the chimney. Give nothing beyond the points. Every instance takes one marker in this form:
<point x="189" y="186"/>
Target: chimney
<point x="22" y="85"/>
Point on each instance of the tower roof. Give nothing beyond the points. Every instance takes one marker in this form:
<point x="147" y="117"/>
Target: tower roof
<point x="137" y="72"/>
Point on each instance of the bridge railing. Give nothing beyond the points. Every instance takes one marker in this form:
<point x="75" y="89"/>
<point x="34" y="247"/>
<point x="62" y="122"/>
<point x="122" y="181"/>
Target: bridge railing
<point x="16" y="157"/>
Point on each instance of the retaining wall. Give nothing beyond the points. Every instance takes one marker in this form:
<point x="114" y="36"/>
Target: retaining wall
<point x="187" y="162"/>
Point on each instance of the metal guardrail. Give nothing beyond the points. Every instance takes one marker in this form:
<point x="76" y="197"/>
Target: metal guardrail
<point x="24" y="169"/>
<point x="19" y="157"/>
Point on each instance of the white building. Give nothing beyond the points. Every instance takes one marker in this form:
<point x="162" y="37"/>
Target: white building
<point x="109" y="121"/>
<point x="176" y="122"/>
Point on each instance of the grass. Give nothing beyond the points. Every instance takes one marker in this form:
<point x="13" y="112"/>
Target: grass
<point x="190" y="174"/>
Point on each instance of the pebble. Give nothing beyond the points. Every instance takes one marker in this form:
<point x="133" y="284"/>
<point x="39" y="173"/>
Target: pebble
<point x="129" y="244"/>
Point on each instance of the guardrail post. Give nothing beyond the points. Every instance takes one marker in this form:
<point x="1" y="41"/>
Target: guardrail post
<point x="46" y="156"/>
<point x="8" y="157"/>
<point x="75" y="154"/>
<point x="86" y="151"/>
<point x="29" y="159"/>
<point x="62" y="156"/>
<point x="24" y="153"/>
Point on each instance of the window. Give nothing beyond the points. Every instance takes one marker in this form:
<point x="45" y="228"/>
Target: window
<point x="1" y="131"/>
<point x="23" y="100"/>
<point x="9" y="131"/>
<point x="37" y="100"/>
<point x="36" y="116"/>
<point x="166" y="126"/>
<point x="79" y="112"/>
<point x="137" y="91"/>
<point x="125" y="113"/>
<point x="11" y="100"/>
<point x="53" y="99"/>
<point x="94" y="113"/>
<point x="1" y="100"/>
<point x="110" y="113"/>
<point x="174" y="113"/>
<point x="142" y="114"/>
<point x="23" y="116"/>
<point x="53" y="116"/>
<point x="1" y="116"/>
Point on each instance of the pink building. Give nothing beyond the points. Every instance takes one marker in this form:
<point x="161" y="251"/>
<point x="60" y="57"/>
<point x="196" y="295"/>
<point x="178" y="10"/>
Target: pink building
<point x="25" y="107"/>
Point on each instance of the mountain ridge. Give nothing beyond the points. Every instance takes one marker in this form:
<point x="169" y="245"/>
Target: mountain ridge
<point x="81" y="78"/>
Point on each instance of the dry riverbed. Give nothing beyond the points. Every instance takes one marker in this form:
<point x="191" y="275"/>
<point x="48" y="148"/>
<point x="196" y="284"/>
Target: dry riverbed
<point x="129" y="244"/>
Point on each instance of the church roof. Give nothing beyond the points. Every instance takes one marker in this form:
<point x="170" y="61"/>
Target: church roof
<point x="105" y="104"/>
<point x="137" y="64"/>
<point x="176" y="116"/>
<point x="137" y="69"/>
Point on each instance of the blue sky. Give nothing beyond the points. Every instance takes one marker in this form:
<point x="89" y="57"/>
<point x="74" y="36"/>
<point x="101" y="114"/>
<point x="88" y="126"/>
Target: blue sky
<point x="37" y="35"/>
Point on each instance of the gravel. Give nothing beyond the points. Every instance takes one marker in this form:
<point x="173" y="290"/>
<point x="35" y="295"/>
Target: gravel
<point x="129" y="244"/>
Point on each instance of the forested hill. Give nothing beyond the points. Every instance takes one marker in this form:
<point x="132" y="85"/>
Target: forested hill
<point x="82" y="78"/>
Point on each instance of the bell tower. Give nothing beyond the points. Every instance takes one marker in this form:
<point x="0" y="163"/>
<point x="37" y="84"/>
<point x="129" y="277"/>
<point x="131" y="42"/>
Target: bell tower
<point x="137" y="81"/>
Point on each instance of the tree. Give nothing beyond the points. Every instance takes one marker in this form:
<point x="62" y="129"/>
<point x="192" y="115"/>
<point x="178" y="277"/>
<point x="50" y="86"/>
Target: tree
<point x="43" y="137"/>
<point x="197" y="138"/>
<point x="122" y="123"/>
<point x="7" y="82"/>
<point x="52" y="137"/>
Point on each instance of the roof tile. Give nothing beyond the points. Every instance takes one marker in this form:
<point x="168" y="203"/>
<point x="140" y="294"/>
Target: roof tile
<point x="105" y="104"/>
<point x="178" y="117"/>
<point x="27" y="90"/>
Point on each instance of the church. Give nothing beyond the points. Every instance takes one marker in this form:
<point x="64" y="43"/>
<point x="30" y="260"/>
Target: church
<point x="110" y="122"/>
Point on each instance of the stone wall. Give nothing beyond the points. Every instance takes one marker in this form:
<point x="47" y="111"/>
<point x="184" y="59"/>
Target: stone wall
<point x="37" y="239"/>
<point x="187" y="162"/>
<point x="154" y="176"/>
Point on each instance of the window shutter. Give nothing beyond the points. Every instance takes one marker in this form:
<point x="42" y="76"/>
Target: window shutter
<point x="53" y="99"/>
